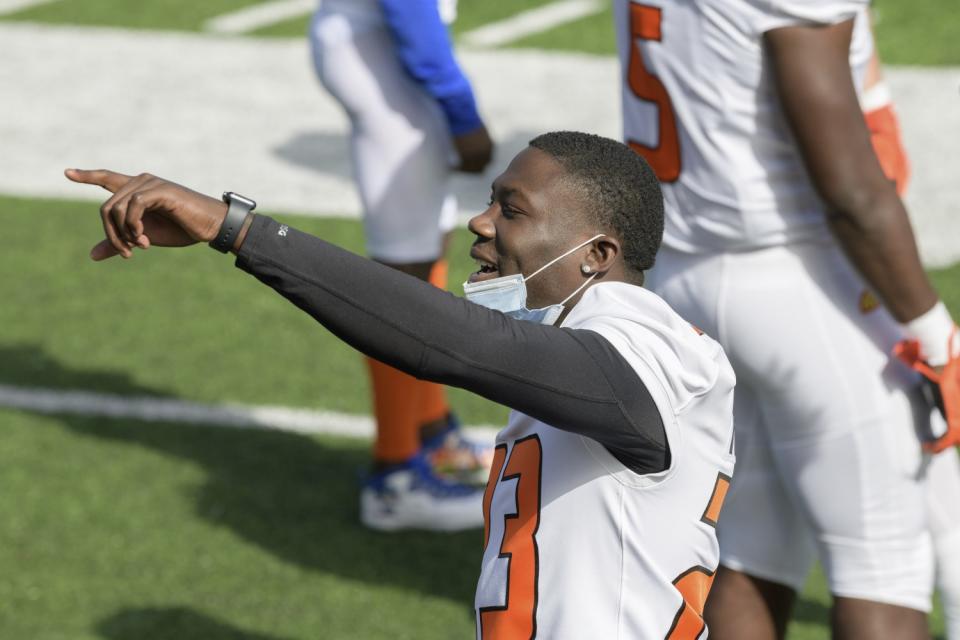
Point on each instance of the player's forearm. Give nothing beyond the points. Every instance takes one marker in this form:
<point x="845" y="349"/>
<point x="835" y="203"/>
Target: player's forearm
<point x="549" y="373"/>
<point x="815" y="86"/>
<point x="880" y="243"/>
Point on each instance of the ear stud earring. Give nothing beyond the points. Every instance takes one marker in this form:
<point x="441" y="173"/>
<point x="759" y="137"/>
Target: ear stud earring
<point x="585" y="268"/>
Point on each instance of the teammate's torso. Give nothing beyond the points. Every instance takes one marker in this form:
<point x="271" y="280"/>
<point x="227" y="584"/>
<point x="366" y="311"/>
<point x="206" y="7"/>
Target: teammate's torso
<point x="700" y="104"/>
<point x="577" y="545"/>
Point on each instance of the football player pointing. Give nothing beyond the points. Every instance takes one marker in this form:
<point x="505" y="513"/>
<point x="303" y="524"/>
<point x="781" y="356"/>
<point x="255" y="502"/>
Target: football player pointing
<point x="608" y="481"/>
<point x="779" y="222"/>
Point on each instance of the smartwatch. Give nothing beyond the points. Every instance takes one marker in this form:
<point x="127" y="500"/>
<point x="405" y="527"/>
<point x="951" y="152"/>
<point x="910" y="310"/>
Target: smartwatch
<point x="238" y="207"/>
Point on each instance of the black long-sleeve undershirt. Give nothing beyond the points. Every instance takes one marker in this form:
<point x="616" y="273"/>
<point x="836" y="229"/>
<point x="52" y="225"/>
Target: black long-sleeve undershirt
<point x="572" y="379"/>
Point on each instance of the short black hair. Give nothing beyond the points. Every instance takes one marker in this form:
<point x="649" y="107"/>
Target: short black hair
<point x="619" y="187"/>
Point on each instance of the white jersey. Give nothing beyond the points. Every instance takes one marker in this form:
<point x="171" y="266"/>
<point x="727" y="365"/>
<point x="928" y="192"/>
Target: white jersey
<point x="579" y="546"/>
<point x="699" y="103"/>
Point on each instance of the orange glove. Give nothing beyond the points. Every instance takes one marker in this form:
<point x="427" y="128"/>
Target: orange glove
<point x="944" y="388"/>
<point x="887" y="144"/>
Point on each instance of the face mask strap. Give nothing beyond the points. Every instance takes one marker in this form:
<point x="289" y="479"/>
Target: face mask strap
<point x="562" y="256"/>
<point x="580" y="288"/>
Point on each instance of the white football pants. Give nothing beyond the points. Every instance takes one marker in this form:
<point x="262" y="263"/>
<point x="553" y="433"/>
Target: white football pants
<point x="399" y="140"/>
<point x="828" y="462"/>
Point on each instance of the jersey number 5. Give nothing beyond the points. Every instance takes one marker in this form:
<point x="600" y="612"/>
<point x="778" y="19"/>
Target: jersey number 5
<point x="665" y="157"/>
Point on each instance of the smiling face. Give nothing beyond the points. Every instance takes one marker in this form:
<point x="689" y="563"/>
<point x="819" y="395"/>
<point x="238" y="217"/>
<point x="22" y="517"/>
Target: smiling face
<point x="535" y="216"/>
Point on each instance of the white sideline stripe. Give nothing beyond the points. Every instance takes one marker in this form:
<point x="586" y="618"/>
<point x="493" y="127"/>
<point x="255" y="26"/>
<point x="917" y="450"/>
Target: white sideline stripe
<point x="150" y="409"/>
<point x="258" y="16"/>
<point x="527" y="23"/>
<point x="12" y="6"/>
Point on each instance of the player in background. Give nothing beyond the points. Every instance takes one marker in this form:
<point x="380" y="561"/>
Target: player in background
<point x="780" y="229"/>
<point x="609" y="478"/>
<point x="413" y="121"/>
<point x="943" y="481"/>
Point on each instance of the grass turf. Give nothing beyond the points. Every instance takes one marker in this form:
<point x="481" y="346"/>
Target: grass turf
<point x="186" y="15"/>
<point x="909" y="32"/>
<point x="127" y="531"/>
<point x="470" y="15"/>
<point x="917" y="32"/>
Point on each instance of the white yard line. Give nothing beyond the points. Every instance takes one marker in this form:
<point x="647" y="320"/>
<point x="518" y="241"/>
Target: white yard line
<point x="152" y="409"/>
<point x="12" y="6"/>
<point x="259" y="16"/>
<point x="528" y="23"/>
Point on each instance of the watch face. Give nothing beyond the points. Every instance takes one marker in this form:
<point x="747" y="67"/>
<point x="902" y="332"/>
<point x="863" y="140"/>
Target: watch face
<point x="230" y="196"/>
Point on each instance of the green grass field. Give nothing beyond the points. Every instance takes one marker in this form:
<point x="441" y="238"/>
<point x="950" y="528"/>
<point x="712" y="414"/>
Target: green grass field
<point x="125" y="530"/>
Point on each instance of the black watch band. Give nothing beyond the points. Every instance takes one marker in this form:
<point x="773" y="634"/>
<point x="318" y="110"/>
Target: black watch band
<point x="238" y="207"/>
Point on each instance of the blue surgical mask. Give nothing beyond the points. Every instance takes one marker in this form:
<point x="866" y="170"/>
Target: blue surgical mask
<point x="508" y="294"/>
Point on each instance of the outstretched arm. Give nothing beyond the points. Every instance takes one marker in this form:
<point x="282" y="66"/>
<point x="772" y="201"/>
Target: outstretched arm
<point x="572" y="379"/>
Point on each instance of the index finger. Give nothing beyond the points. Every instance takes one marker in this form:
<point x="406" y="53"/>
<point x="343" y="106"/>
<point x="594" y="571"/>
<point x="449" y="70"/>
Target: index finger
<point x="109" y="180"/>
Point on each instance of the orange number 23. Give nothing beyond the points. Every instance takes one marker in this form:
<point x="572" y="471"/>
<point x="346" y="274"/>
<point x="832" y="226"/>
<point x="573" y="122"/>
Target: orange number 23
<point x="518" y="617"/>
<point x="665" y="157"/>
